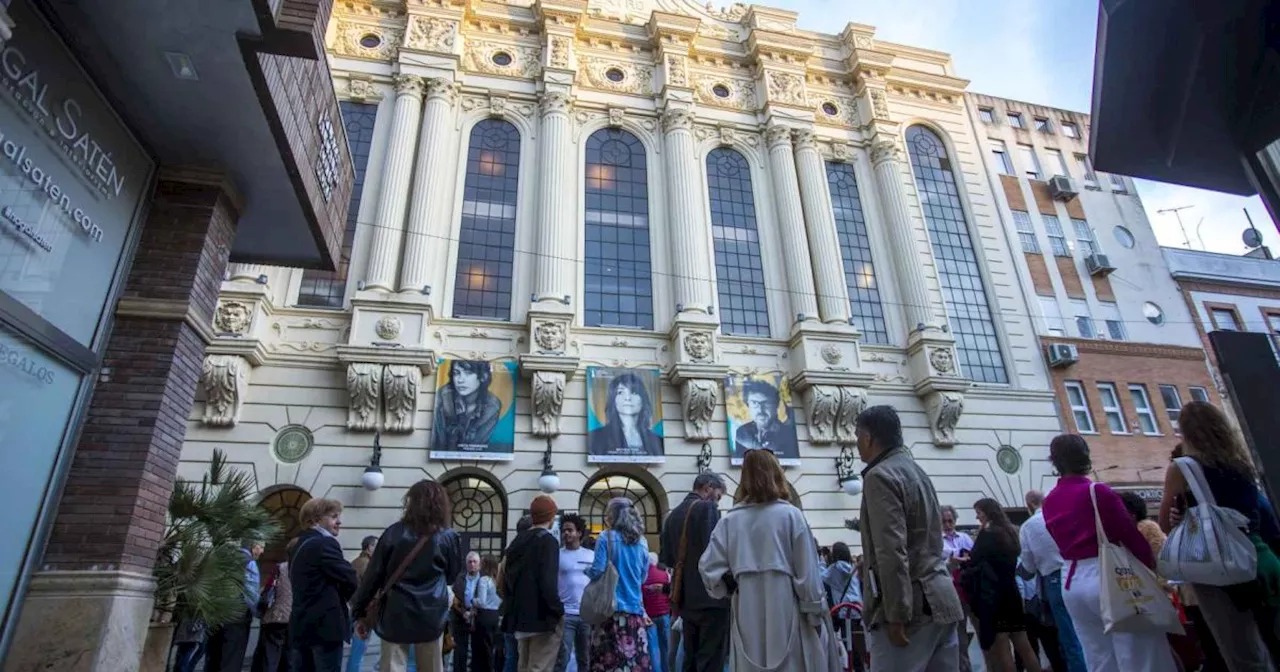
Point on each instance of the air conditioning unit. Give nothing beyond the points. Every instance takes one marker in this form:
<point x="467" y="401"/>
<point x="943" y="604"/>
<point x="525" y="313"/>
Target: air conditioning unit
<point x="1063" y="354"/>
<point x="1098" y="264"/>
<point x="1061" y="188"/>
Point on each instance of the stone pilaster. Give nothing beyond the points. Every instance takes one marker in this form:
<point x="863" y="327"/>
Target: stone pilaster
<point x="690" y="248"/>
<point x="795" y="241"/>
<point x="397" y="171"/>
<point x="824" y="243"/>
<point x="556" y="245"/>
<point x="430" y="214"/>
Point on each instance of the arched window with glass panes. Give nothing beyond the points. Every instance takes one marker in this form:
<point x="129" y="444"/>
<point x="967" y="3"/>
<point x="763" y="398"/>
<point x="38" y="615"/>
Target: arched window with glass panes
<point x="618" y="271"/>
<point x="739" y="270"/>
<point x="855" y="251"/>
<point x="487" y="235"/>
<point x="957" y="263"/>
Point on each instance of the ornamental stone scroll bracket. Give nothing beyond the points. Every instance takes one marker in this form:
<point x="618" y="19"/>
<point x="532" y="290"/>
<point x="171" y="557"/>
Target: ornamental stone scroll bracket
<point x="699" y="398"/>
<point x="547" y="391"/>
<point x="944" y="409"/>
<point x="833" y="411"/>
<point x="225" y="382"/>
<point x="400" y="383"/>
<point x="364" y="390"/>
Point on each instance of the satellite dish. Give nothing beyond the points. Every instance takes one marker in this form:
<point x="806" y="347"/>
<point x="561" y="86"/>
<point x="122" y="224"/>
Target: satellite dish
<point x="1251" y="238"/>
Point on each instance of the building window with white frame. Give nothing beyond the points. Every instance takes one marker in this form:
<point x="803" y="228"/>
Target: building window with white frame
<point x="1172" y="404"/>
<point x="1111" y="408"/>
<point x="1079" y="407"/>
<point x="1084" y="322"/>
<point x="1070" y="129"/>
<point x="1199" y="394"/>
<point x="1090" y="177"/>
<point x="1043" y="125"/>
<point x="987" y="115"/>
<point x="1057" y="237"/>
<point x="1142" y="406"/>
<point x="1000" y="153"/>
<point x="1084" y="236"/>
<point x="1054" y="326"/>
<point x="1058" y="163"/>
<point x="1030" y="164"/>
<point x="1026" y="232"/>
<point x="1015" y="120"/>
<point x="1118" y="184"/>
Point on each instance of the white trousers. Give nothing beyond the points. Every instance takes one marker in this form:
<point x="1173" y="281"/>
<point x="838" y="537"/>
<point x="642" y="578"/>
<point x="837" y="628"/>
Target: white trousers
<point x="1118" y="651"/>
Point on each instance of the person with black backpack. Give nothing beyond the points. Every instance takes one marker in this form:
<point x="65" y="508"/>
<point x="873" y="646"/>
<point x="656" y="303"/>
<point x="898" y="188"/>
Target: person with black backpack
<point x="404" y="595"/>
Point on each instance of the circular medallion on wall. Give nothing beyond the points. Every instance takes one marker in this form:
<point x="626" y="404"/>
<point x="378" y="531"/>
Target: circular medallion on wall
<point x="1009" y="459"/>
<point x="293" y="444"/>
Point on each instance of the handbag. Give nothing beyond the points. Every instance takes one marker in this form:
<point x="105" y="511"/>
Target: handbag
<point x="1130" y="593"/>
<point x="682" y="550"/>
<point x="268" y="597"/>
<point x="374" y="609"/>
<point x="600" y="597"/>
<point x="1209" y="546"/>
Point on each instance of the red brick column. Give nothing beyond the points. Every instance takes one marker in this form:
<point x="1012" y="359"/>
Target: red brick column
<point x="112" y="513"/>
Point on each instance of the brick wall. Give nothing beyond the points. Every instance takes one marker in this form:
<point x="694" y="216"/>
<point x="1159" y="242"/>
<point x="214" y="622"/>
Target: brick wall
<point x="1070" y="277"/>
<point x="112" y="511"/>
<point x="1133" y="458"/>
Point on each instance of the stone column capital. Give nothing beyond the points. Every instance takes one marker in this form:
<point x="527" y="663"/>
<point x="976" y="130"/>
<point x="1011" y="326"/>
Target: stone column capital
<point x="439" y="88"/>
<point x="554" y="102"/>
<point x="409" y="85"/>
<point x="805" y="140"/>
<point x="885" y="148"/>
<point x="778" y="135"/>
<point x="677" y="119"/>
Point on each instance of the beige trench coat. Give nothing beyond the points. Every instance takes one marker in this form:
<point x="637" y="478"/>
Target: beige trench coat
<point x="780" y="619"/>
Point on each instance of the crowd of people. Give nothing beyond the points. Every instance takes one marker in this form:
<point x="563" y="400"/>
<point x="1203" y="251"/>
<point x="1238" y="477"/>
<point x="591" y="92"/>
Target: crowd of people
<point x="749" y="589"/>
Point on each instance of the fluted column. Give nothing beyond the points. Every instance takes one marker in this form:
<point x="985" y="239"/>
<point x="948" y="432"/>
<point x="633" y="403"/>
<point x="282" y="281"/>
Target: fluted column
<point x="885" y="156"/>
<point x="795" y="243"/>
<point x="824" y="243"/>
<point x="388" y="230"/>
<point x="556" y="243"/>
<point x="428" y="229"/>
<point x="689" y="253"/>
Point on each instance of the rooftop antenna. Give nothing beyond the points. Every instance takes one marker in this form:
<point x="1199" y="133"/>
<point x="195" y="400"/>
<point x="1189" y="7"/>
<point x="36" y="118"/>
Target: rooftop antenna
<point x="1186" y="239"/>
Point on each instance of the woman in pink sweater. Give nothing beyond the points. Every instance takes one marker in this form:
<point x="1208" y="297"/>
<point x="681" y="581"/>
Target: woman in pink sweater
<point x="1068" y="514"/>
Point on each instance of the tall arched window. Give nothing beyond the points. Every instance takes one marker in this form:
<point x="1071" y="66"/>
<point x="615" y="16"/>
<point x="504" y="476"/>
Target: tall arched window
<point x="479" y="514"/>
<point x="855" y="250"/>
<point x="962" y="288"/>
<point x="619" y="276"/>
<point x="739" y="271"/>
<point x="487" y="239"/>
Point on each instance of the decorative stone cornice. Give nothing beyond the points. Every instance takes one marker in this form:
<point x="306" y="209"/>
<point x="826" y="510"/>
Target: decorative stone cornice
<point x="162" y="309"/>
<point x="409" y="85"/>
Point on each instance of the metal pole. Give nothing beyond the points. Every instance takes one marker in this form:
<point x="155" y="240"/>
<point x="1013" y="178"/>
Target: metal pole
<point x="1186" y="239"/>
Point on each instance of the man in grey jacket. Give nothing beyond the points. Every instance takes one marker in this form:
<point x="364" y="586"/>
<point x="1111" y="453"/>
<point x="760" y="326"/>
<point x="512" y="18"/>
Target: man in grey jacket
<point x="911" y="605"/>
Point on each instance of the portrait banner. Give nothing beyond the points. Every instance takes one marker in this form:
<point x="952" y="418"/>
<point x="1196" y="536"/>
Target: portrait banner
<point x="758" y="408"/>
<point x="624" y="415"/>
<point x="475" y="410"/>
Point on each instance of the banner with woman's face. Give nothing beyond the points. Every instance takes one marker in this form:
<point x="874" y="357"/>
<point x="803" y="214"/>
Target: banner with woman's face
<point x="758" y="408"/>
<point x="624" y="415"/>
<point x="475" y="410"/>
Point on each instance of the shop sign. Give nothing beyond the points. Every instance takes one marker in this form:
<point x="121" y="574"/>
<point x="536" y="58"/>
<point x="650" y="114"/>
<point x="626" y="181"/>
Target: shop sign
<point x="72" y="180"/>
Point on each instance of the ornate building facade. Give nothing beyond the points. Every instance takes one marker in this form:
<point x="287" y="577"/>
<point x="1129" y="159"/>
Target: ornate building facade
<point x="622" y="204"/>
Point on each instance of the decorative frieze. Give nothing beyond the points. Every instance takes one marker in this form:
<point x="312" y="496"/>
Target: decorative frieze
<point x="785" y="88"/>
<point x="616" y="76"/>
<point x="362" y="40"/>
<point x="560" y="52"/>
<point x="699" y="398"/>
<point x="400" y="396"/>
<point x="944" y="409"/>
<point x="361" y="90"/>
<point x="727" y="92"/>
<point x="547" y="391"/>
<point x="364" y="389"/>
<point x="225" y="382"/>
<point x="498" y="58"/>
<point x="677" y="70"/>
<point x="429" y="33"/>
<point x="833" y="110"/>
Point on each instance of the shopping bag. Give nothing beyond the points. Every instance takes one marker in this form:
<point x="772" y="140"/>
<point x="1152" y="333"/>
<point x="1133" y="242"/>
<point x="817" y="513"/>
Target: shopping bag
<point x="600" y="597"/>
<point x="1132" y="599"/>
<point x="1210" y="545"/>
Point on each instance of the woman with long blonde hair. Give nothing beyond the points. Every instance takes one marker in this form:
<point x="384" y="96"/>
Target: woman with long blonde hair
<point x="762" y="554"/>
<point x="1242" y="617"/>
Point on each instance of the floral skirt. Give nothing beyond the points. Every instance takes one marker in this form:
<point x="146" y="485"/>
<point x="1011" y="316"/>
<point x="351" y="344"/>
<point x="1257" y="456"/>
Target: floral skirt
<point x="620" y="644"/>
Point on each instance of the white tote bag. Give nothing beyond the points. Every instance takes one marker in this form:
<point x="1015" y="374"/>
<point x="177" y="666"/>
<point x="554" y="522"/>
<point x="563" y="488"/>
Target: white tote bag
<point x="1209" y="545"/>
<point x="1132" y="600"/>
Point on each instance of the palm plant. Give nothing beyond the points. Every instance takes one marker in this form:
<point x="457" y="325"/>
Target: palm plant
<point x="200" y="570"/>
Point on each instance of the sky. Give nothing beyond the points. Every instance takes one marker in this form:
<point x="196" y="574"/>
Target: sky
<point x="1038" y="52"/>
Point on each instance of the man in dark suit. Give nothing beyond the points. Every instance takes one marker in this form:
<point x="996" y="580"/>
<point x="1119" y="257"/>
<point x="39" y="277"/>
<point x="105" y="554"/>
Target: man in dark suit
<point x="706" y="620"/>
<point x="323" y="581"/>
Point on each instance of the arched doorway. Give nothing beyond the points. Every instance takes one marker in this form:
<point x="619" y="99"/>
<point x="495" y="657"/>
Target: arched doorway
<point x="479" y="513"/>
<point x="283" y="503"/>
<point x="595" y="499"/>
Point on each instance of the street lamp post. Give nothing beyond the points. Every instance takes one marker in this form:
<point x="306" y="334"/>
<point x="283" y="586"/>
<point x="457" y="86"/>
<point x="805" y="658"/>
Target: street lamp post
<point x="846" y="471"/>
<point x="704" y="459"/>
<point x="549" y="481"/>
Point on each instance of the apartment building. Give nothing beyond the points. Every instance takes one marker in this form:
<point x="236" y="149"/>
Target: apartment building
<point x="1120" y="343"/>
<point x="1227" y="292"/>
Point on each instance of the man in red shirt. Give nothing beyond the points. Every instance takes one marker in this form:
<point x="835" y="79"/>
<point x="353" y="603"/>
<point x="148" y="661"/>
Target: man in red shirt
<point x="656" y="591"/>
